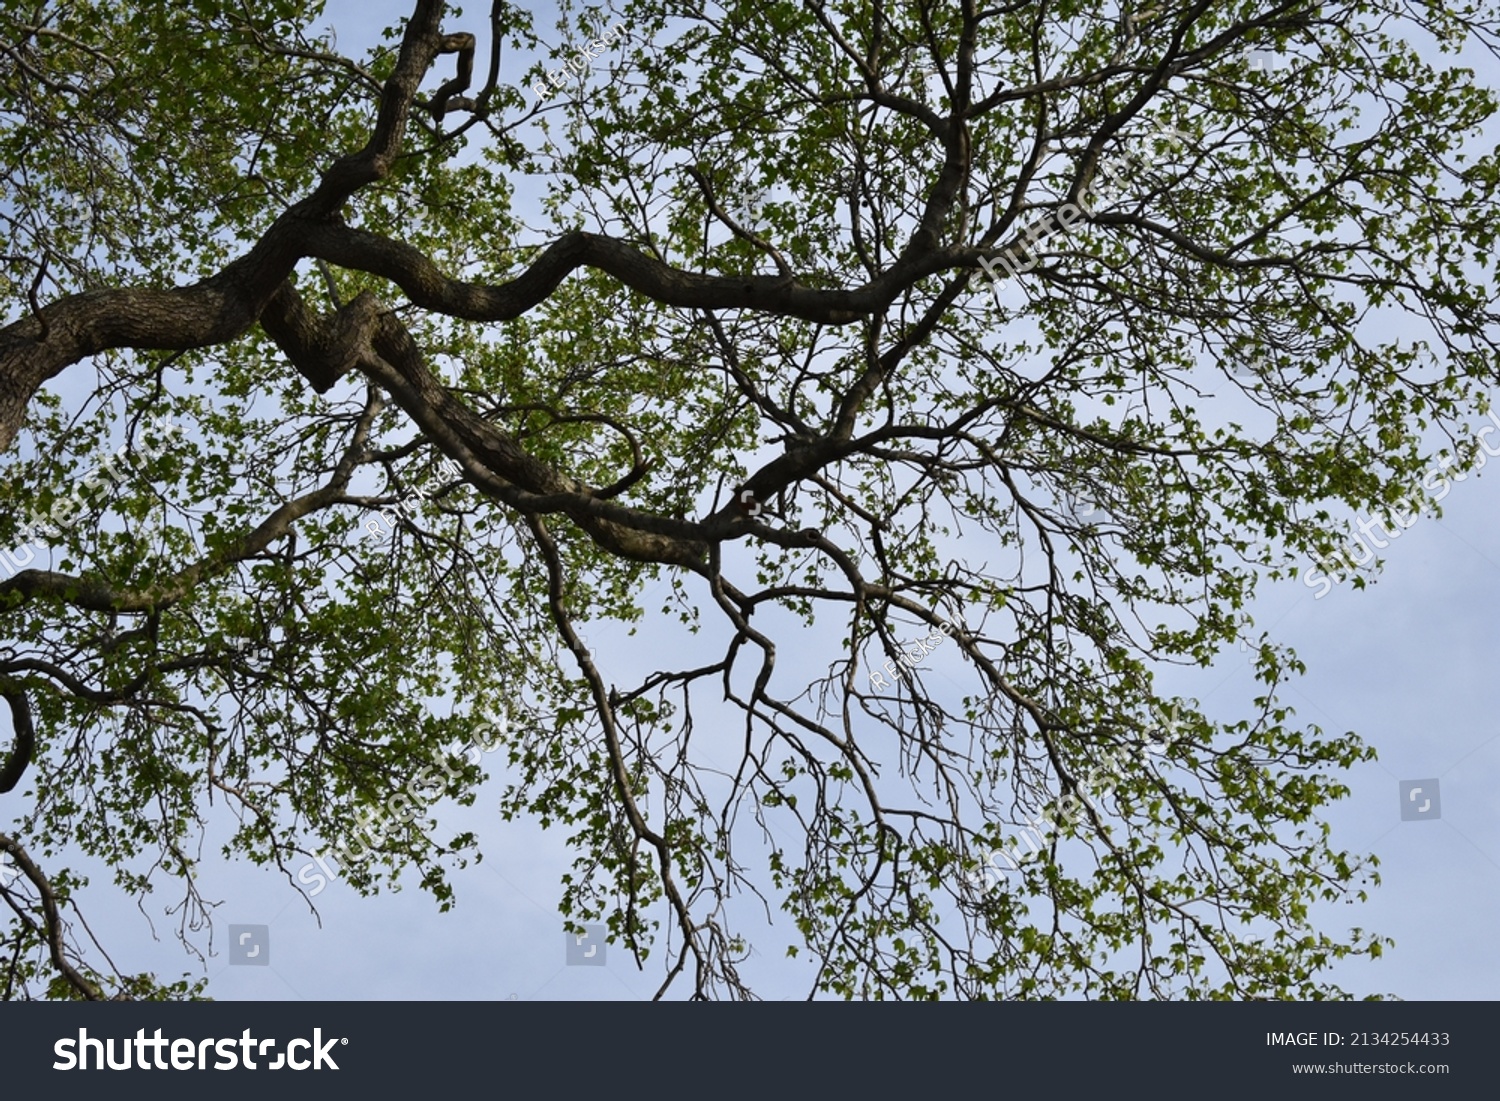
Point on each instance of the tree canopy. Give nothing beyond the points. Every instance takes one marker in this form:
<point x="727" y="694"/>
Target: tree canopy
<point x="974" y="362"/>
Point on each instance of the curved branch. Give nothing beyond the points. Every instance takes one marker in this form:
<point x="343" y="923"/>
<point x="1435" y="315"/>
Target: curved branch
<point x="75" y="978"/>
<point x="426" y="285"/>
<point x="463" y="45"/>
<point x="25" y="735"/>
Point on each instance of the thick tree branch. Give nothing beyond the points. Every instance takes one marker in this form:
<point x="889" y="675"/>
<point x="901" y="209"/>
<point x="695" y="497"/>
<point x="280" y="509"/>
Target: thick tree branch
<point x="24" y="745"/>
<point x="426" y="285"/>
<point x="85" y="987"/>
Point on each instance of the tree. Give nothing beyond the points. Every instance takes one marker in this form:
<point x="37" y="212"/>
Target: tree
<point x="1029" y="338"/>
